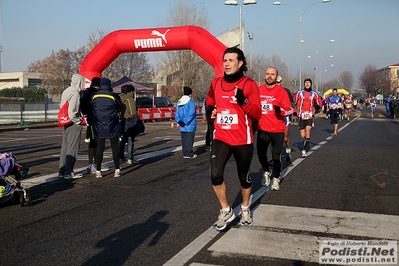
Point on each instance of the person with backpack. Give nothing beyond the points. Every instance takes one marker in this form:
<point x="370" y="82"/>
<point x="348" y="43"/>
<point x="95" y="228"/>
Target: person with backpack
<point x="306" y="102"/>
<point x="71" y="132"/>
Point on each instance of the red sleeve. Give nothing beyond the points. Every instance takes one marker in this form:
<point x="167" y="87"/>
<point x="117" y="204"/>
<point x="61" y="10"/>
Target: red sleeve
<point x="251" y="93"/>
<point x="210" y="98"/>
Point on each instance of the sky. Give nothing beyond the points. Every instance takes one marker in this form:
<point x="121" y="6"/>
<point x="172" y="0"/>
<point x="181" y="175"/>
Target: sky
<point x="365" y="31"/>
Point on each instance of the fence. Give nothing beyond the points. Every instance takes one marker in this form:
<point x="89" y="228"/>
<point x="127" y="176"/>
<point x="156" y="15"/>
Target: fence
<point x="25" y="113"/>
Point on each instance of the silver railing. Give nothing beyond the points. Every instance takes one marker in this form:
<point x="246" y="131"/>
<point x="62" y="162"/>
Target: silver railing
<point x="26" y="113"/>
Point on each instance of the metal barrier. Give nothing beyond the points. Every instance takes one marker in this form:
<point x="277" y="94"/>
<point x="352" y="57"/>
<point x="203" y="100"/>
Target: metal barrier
<point x="24" y="113"/>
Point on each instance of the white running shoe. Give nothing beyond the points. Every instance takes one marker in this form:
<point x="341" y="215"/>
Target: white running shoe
<point x="98" y="174"/>
<point x="224" y="218"/>
<point x="303" y="153"/>
<point x="266" y="179"/>
<point x="245" y="217"/>
<point x="276" y="184"/>
<point x="117" y="173"/>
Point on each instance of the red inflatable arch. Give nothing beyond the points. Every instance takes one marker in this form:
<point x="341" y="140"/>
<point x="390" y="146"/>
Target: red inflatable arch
<point x="153" y="40"/>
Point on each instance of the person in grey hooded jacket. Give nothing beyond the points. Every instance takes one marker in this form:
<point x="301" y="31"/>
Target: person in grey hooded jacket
<point x="185" y="116"/>
<point x="71" y="133"/>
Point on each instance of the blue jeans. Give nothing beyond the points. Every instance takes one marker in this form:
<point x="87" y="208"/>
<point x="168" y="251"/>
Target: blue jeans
<point x="130" y="147"/>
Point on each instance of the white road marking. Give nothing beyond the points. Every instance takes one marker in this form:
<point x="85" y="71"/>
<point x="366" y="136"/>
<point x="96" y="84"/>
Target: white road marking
<point x="54" y="176"/>
<point x="20" y="139"/>
<point x="194" y="247"/>
<point x="299" y="228"/>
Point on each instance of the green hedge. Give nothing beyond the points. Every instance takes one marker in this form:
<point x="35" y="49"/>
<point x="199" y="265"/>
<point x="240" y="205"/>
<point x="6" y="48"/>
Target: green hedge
<point x="30" y="94"/>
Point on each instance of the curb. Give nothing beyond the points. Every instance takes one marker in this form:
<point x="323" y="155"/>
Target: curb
<point x="6" y="128"/>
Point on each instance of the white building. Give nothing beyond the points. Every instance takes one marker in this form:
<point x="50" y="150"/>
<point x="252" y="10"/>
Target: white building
<point x="19" y="79"/>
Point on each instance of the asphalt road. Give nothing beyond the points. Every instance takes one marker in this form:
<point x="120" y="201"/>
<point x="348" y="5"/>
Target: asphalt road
<point x="161" y="210"/>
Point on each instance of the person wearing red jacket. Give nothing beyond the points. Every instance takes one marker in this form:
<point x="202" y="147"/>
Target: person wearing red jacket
<point x="275" y="106"/>
<point x="306" y="100"/>
<point x="233" y="101"/>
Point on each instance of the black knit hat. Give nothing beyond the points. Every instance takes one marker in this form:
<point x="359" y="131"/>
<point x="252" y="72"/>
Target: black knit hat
<point x="95" y="81"/>
<point x="307" y="79"/>
<point x="187" y="91"/>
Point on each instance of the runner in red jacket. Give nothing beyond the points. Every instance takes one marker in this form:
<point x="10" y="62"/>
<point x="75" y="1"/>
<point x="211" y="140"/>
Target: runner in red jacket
<point x="275" y="106"/>
<point x="233" y="101"/>
<point x="306" y="100"/>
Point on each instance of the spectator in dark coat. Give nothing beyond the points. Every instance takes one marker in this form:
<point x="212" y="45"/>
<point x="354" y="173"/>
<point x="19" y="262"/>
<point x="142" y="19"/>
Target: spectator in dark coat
<point x="106" y="110"/>
<point x="88" y="112"/>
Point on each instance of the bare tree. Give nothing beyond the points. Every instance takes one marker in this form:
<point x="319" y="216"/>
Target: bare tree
<point x="386" y="85"/>
<point x="59" y="67"/>
<point x="346" y="78"/>
<point x="184" y="67"/>
<point x="369" y="78"/>
<point x="334" y="83"/>
<point x="261" y="63"/>
<point x="57" y="70"/>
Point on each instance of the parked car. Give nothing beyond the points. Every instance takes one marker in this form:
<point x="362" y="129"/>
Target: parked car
<point x="161" y="109"/>
<point x="159" y="102"/>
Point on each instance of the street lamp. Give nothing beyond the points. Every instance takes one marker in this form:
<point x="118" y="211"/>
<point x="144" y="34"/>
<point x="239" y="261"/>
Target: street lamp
<point x="300" y="31"/>
<point x="250" y="37"/>
<point x="234" y="3"/>
<point x="317" y="59"/>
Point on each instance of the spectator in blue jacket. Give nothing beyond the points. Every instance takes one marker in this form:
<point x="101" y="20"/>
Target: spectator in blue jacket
<point x="106" y="106"/>
<point x="185" y="116"/>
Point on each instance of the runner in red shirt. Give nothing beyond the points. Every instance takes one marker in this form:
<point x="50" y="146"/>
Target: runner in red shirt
<point x="275" y="106"/>
<point x="306" y="100"/>
<point x="233" y="100"/>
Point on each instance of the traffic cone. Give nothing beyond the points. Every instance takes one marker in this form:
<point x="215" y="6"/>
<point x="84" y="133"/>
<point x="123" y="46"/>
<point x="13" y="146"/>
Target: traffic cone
<point x="172" y="125"/>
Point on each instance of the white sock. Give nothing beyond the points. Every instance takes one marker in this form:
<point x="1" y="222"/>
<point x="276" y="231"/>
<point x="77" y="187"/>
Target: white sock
<point x="244" y="208"/>
<point x="227" y="209"/>
<point x="288" y="150"/>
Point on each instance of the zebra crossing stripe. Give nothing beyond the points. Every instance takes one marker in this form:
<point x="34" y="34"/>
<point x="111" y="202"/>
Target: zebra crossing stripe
<point x="294" y="233"/>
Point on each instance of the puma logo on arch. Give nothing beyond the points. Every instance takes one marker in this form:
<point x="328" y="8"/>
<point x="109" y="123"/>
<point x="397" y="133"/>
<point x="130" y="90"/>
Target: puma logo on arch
<point x="163" y="36"/>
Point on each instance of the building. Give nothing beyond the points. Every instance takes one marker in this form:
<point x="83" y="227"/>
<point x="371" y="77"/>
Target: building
<point x="19" y="79"/>
<point x="391" y="74"/>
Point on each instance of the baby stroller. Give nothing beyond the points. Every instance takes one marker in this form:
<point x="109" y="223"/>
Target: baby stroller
<point x="10" y="188"/>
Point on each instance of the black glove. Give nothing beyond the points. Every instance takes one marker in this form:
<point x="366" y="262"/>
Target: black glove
<point x="240" y="96"/>
<point x="182" y="124"/>
<point x="209" y="110"/>
<point x="277" y="109"/>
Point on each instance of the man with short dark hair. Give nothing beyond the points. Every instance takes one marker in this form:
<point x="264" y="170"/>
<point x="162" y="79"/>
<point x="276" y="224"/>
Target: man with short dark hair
<point x="233" y="100"/>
